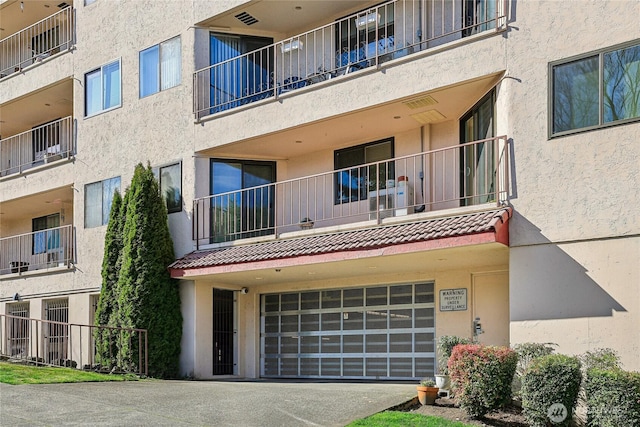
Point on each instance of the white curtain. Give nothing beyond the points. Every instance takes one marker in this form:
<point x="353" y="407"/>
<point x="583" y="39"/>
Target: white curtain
<point x="170" y="72"/>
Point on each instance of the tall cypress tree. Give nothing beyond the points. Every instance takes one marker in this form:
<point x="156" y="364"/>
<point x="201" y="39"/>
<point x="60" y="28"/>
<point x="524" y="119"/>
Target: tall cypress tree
<point x="106" y="351"/>
<point x="147" y="296"/>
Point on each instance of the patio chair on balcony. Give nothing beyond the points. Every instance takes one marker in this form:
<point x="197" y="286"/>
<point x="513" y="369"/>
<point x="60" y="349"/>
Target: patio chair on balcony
<point x="351" y="60"/>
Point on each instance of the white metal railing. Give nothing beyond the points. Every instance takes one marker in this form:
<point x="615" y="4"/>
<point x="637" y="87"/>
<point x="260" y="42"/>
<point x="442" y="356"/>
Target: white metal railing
<point x="467" y="174"/>
<point x="366" y="39"/>
<point x="38" y="250"/>
<point x="60" y="343"/>
<point x="33" y="44"/>
<point x="43" y="144"/>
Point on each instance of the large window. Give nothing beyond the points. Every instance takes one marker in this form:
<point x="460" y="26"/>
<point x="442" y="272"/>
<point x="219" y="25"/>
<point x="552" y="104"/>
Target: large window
<point x="357" y="38"/>
<point x="354" y="183"/>
<point x="160" y="67"/>
<point x="97" y="201"/>
<point x="102" y="88"/>
<point x="243" y="200"/>
<point x="595" y="90"/>
<point x="170" y="180"/>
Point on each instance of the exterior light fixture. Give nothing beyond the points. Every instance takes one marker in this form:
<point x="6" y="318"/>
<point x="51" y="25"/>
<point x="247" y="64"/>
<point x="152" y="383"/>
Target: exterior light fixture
<point x="367" y="20"/>
<point x="292" y="45"/>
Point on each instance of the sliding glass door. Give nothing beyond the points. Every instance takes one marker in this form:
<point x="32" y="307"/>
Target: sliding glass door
<point x="477" y="161"/>
<point x="238" y="74"/>
<point x="244" y="202"/>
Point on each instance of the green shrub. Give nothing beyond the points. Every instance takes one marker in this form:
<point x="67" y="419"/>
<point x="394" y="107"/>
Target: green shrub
<point x="613" y="398"/>
<point x="600" y="358"/>
<point x="550" y="380"/>
<point x="527" y="352"/>
<point x="481" y="377"/>
<point x="444" y="347"/>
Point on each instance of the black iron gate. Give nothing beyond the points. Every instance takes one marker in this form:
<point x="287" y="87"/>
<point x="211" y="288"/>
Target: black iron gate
<point x="222" y="332"/>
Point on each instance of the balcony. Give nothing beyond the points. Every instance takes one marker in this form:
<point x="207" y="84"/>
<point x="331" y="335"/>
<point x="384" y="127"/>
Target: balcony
<point x="401" y="189"/>
<point x="361" y="41"/>
<point x="33" y="44"/>
<point x="37" y="251"/>
<point x="41" y="145"/>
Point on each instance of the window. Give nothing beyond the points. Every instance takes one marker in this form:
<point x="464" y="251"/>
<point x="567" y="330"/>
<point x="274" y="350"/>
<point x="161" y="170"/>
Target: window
<point x="102" y="89"/>
<point x="88" y="2"/>
<point x="595" y="90"/>
<point x="160" y="67"/>
<point x="97" y="201"/>
<point x="243" y="202"/>
<point x="477" y="161"/>
<point x="170" y="181"/>
<point x="353" y="184"/>
<point x="44" y="241"/>
<point x="358" y="36"/>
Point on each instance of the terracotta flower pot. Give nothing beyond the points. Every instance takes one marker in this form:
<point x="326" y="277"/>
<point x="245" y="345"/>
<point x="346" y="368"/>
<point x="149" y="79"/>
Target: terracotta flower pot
<point x="427" y="395"/>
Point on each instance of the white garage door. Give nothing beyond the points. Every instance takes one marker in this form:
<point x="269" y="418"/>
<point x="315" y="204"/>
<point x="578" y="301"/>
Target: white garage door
<point x="376" y="332"/>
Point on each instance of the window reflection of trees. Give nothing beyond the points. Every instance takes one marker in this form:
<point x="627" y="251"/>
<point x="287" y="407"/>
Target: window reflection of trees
<point x="576" y="90"/>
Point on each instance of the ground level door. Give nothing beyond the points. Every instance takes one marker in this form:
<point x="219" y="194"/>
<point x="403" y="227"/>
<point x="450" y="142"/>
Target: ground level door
<point x="376" y="332"/>
<point x="223" y="332"/>
<point x="491" y="306"/>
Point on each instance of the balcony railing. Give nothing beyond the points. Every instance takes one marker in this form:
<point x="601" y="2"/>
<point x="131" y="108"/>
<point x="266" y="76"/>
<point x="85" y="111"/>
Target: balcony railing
<point x="464" y="175"/>
<point x="48" y="342"/>
<point x="40" y="145"/>
<point x="366" y="39"/>
<point x="37" y="42"/>
<point x="39" y="250"/>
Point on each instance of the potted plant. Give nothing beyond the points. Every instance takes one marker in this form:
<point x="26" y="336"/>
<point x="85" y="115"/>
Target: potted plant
<point x="427" y="392"/>
<point x="444" y="347"/>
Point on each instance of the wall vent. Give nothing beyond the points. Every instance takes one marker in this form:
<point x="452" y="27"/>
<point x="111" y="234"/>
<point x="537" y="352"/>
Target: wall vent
<point x="247" y="19"/>
<point x="423" y="101"/>
<point x="430" y="116"/>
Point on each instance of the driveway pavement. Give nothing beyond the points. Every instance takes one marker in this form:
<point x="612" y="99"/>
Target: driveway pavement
<point x="198" y="403"/>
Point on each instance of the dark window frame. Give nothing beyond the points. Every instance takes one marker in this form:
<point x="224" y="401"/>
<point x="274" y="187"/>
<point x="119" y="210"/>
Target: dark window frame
<point x="602" y="123"/>
<point x="360" y="171"/>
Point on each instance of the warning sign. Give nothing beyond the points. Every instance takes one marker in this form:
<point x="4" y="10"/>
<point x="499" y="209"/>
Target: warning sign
<point x="453" y="299"/>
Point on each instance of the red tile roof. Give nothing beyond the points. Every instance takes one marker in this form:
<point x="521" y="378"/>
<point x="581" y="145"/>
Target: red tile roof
<point x="355" y="240"/>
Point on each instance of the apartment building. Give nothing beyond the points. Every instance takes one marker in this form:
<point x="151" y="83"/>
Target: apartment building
<point x="346" y="180"/>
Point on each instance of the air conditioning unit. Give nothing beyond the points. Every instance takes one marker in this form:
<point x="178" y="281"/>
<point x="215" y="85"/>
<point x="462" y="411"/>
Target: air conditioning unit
<point x="381" y="203"/>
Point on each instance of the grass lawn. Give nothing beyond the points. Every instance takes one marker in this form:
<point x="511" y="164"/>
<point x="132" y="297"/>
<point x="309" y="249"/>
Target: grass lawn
<point x="396" y="418"/>
<point x="22" y="374"/>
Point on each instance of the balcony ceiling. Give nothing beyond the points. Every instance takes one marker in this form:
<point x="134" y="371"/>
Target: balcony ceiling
<point x="285" y="17"/>
<point x="15" y="18"/>
<point x="36" y="205"/>
<point x="36" y="108"/>
<point x="363" y="125"/>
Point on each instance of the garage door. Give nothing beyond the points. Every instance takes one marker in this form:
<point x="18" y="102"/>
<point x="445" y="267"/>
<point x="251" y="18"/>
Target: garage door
<point x="376" y="332"/>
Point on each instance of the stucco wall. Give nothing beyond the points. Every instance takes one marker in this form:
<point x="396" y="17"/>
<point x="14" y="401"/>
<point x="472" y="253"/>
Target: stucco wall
<point x="581" y="295"/>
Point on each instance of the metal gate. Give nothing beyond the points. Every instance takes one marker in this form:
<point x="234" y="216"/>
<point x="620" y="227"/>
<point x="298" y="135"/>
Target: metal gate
<point x="376" y="332"/>
<point x="223" y="341"/>
<point x="56" y="332"/>
<point x="18" y="336"/>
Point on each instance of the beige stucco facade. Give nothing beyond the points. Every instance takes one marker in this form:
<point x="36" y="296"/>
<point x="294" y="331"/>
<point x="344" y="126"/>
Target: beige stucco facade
<point x="569" y="272"/>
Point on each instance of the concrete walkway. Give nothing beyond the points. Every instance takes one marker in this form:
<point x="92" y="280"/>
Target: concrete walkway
<point x="198" y="403"/>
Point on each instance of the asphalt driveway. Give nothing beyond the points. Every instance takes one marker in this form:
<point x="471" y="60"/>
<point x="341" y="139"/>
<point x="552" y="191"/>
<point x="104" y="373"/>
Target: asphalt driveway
<point x="197" y="403"/>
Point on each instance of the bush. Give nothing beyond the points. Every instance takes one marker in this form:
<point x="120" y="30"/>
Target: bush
<point x="528" y="352"/>
<point x="613" y="398"/>
<point x="481" y="377"/>
<point x="444" y="348"/>
<point x="600" y="358"/>
<point x="550" y="380"/>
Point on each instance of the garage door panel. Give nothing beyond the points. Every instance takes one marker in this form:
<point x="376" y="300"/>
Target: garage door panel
<point x="378" y="332"/>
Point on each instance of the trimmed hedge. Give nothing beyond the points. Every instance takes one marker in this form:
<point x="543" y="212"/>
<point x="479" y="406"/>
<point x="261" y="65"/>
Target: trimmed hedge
<point x="445" y="347"/>
<point x="613" y="398"/>
<point x="550" y="380"/>
<point x="481" y="377"/>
